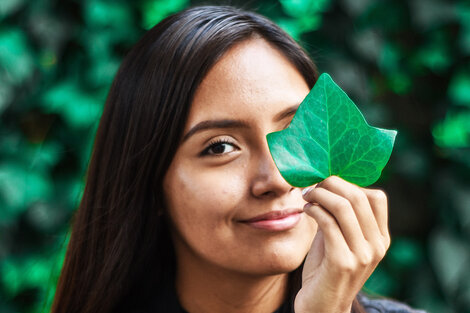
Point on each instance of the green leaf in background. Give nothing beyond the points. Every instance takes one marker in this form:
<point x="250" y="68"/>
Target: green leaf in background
<point x="78" y="108"/>
<point x="9" y="6"/>
<point x="153" y="11"/>
<point x="389" y="59"/>
<point x="453" y="131"/>
<point x="405" y="253"/>
<point x="450" y="256"/>
<point x="15" y="55"/>
<point x="459" y="88"/>
<point x="329" y="136"/>
<point x="107" y="13"/>
<point x="299" y="8"/>
<point x="463" y="12"/>
<point x="304" y="16"/>
<point x="6" y="95"/>
<point x="19" y="187"/>
<point x="20" y="274"/>
<point x="435" y="54"/>
<point x="381" y="283"/>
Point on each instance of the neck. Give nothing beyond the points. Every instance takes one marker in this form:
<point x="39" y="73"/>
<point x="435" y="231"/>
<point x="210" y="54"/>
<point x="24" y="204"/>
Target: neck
<point x="208" y="288"/>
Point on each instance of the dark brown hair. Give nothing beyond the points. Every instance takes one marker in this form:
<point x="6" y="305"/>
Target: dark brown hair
<point x="120" y="251"/>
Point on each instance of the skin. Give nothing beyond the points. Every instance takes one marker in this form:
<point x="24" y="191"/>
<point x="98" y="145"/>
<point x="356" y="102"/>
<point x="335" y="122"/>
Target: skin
<point x="222" y="176"/>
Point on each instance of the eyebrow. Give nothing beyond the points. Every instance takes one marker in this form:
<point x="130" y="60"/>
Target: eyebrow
<point x="230" y="123"/>
<point x="225" y="123"/>
<point x="286" y="113"/>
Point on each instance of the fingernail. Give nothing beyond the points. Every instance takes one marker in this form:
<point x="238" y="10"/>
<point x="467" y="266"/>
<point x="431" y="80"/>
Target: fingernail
<point x="306" y="190"/>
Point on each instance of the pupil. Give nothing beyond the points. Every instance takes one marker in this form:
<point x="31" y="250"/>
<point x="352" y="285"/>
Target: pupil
<point x="219" y="148"/>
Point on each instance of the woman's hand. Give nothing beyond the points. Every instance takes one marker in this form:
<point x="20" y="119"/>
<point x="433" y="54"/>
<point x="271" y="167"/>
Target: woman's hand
<point x="351" y="240"/>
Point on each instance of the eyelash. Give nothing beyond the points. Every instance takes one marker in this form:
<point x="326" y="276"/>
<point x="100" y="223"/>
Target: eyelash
<point x="215" y="143"/>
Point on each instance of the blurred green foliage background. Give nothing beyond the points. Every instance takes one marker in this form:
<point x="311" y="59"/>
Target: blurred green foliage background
<point x="405" y="63"/>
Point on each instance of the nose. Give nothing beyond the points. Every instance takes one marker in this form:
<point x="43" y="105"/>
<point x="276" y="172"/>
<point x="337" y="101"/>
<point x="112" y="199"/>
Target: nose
<point x="267" y="180"/>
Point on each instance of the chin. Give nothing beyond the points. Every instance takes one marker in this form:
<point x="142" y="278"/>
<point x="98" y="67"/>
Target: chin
<point x="284" y="264"/>
<point x="275" y="262"/>
<point x="279" y="256"/>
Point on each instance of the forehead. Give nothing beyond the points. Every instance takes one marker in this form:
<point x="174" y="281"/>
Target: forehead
<point x="252" y="79"/>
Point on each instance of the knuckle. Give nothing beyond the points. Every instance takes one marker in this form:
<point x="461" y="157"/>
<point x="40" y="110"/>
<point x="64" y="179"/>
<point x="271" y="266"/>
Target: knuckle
<point x="379" y="253"/>
<point x="387" y="241"/>
<point x="356" y="196"/>
<point x="379" y="250"/>
<point x="328" y="223"/>
<point x="378" y="195"/>
<point x="329" y="181"/>
<point x="334" y="178"/>
<point x="365" y="258"/>
<point x="341" y="204"/>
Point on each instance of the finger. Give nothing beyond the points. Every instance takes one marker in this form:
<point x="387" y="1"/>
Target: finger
<point x="316" y="253"/>
<point x="340" y="209"/>
<point x="379" y="204"/>
<point x="335" y="245"/>
<point x="360" y="204"/>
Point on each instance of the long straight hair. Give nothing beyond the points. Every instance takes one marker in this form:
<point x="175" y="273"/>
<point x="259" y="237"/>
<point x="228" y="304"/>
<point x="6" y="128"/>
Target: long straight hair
<point x="120" y="252"/>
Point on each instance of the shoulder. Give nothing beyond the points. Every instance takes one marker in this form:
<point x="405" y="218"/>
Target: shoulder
<point x="383" y="305"/>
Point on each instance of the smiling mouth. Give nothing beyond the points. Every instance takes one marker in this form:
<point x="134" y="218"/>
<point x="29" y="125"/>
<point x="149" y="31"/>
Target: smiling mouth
<point x="275" y="220"/>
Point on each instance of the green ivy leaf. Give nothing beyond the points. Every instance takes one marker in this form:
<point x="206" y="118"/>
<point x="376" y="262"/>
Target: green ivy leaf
<point x="329" y="136"/>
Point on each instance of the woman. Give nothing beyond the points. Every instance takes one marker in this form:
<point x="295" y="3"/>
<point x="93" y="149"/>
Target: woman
<point x="184" y="209"/>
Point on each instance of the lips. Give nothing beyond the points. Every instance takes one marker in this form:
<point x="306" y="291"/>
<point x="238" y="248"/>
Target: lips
<point x="275" y="220"/>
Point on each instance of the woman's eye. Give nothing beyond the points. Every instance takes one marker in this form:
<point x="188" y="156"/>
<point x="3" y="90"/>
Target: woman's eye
<point x="219" y="148"/>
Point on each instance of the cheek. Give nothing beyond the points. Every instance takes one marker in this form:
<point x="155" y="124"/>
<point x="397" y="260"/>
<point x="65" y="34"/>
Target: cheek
<point x="200" y="200"/>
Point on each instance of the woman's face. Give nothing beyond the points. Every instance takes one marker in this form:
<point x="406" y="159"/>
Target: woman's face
<point x="228" y="204"/>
